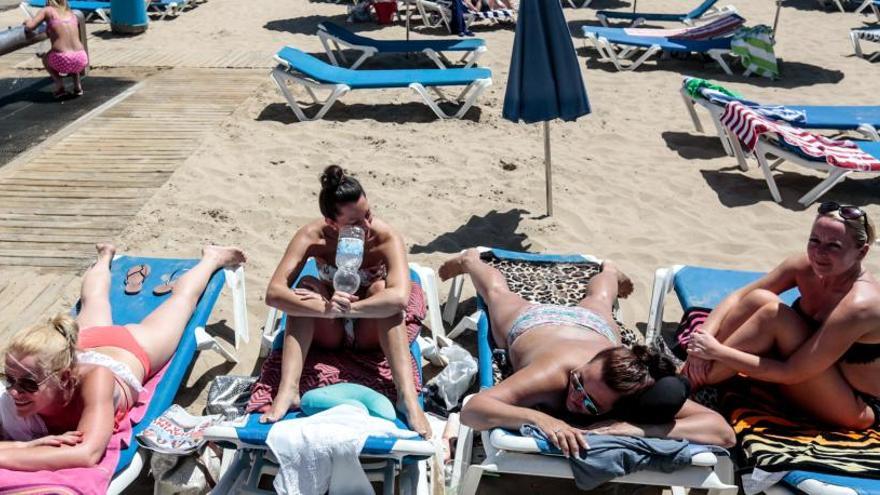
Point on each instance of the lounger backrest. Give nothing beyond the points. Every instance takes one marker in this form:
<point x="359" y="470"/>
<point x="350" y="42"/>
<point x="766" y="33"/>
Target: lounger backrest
<point x="702" y="9"/>
<point x="344" y="34"/>
<point x="705" y="288"/>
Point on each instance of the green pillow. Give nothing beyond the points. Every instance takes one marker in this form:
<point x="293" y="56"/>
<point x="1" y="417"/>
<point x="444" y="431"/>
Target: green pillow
<point x="321" y="399"/>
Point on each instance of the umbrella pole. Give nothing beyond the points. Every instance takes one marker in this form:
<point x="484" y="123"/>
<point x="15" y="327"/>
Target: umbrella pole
<point x="776" y="18"/>
<point x="408" y="14"/>
<point x="549" y="184"/>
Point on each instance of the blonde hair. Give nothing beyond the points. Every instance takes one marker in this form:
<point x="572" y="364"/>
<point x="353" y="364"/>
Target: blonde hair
<point x="861" y="228"/>
<point x="52" y="343"/>
<point x="61" y="5"/>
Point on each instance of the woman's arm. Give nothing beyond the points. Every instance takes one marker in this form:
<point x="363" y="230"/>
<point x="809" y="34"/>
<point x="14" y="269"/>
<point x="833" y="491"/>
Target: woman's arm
<point x="821" y="351"/>
<point x="393" y="298"/>
<point x="280" y="295"/>
<point x="96" y="425"/>
<point x="35" y="21"/>
<point x="779" y="280"/>
<point x="693" y="422"/>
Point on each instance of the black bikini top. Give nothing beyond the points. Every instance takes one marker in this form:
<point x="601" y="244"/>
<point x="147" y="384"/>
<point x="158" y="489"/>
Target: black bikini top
<point x="858" y="353"/>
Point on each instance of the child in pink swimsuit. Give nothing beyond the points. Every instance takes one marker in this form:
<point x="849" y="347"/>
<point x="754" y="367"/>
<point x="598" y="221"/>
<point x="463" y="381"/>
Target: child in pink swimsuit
<point x="67" y="56"/>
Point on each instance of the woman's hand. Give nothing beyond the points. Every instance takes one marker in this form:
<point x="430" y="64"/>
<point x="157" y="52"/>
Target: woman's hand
<point x="696" y="370"/>
<point x="704" y="346"/>
<point x="69" y="438"/>
<point x="341" y="302"/>
<point x="568" y="439"/>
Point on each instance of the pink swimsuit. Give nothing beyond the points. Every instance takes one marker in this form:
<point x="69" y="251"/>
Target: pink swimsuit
<point x="67" y="62"/>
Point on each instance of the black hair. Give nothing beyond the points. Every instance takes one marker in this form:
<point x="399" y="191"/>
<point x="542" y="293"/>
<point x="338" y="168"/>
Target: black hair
<point x="628" y="371"/>
<point x="337" y="189"/>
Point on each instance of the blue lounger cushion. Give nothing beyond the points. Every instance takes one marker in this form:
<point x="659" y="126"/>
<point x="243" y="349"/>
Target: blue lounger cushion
<point x="862" y="486"/>
<point x="133" y="309"/>
<point x="698" y="287"/>
<point x="618" y="36"/>
<point x="75" y="5"/>
<point x="837" y="117"/>
<point x="401" y="46"/>
<point x="694" y="14"/>
<point x="376" y="79"/>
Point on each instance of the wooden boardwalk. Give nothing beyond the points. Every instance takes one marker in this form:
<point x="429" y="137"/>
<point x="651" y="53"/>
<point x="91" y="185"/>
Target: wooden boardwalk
<point x="110" y="55"/>
<point x="89" y="184"/>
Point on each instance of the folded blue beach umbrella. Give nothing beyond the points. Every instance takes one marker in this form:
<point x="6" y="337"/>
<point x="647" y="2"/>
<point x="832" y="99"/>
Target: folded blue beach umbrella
<point x="545" y="80"/>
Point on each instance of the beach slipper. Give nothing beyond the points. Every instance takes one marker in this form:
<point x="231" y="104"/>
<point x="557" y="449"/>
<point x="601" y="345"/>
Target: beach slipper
<point x="60" y="93"/>
<point x="170" y="280"/>
<point x="78" y="92"/>
<point x="134" y="278"/>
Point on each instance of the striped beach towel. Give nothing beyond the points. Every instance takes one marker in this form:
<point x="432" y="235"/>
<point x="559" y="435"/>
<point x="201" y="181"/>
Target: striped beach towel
<point x="719" y="27"/>
<point x="868" y="34"/>
<point x="754" y="47"/>
<point x="748" y="125"/>
<point x="497" y="14"/>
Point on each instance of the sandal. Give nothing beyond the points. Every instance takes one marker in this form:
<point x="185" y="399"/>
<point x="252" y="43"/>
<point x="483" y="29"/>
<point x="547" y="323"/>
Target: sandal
<point x="59" y="93"/>
<point x="134" y="279"/>
<point x="169" y="281"/>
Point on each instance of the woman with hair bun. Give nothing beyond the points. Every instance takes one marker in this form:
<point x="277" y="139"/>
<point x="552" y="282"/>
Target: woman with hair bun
<point x="824" y="350"/>
<point x="568" y="363"/>
<point x="317" y="315"/>
<point x="70" y="383"/>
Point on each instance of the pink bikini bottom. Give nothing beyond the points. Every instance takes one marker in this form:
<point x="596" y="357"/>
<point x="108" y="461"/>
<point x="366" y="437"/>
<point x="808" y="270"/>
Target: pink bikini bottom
<point x="68" y="62"/>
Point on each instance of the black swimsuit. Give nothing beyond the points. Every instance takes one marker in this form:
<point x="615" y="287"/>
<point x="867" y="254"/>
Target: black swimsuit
<point x="858" y="353"/>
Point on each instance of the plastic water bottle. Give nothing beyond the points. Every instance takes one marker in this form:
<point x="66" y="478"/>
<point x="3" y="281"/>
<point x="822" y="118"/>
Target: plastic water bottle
<point x="349" y="256"/>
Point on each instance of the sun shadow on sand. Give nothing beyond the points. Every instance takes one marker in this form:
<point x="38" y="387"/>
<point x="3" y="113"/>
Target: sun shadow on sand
<point x="694" y="146"/>
<point x="812" y="5"/>
<point x="493" y="229"/>
<point x="414" y="112"/>
<point x="308" y="24"/>
<point x="737" y="189"/>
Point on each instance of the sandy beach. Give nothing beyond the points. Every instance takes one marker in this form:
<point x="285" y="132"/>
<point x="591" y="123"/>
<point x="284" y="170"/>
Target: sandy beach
<point x="633" y="181"/>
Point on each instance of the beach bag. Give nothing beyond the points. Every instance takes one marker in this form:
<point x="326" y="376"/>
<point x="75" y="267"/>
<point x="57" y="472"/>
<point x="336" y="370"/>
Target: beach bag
<point x="228" y="395"/>
<point x="194" y="474"/>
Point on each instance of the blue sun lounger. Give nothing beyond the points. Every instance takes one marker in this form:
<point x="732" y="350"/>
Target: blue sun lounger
<point x="339" y="38"/>
<point x="310" y="73"/>
<point x="511" y="453"/>
<point x="89" y="8"/>
<point x="704" y="288"/>
<point x="863" y="118"/>
<point x="382" y="458"/>
<point x="617" y="47"/>
<point x="132" y="309"/>
<point x="703" y="12"/>
<point x="167" y="8"/>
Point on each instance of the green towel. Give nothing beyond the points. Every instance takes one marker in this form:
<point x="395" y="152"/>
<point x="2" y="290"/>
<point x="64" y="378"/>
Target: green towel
<point x="693" y="86"/>
<point x="754" y="47"/>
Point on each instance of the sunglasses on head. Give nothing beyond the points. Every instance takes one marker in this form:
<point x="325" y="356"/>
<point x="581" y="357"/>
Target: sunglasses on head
<point x="587" y="401"/>
<point x="847" y="212"/>
<point x="24" y="384"/>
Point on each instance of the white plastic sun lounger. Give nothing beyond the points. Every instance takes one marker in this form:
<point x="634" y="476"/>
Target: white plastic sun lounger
<point x="873" y="35"/>
<point x="309" y="72"/>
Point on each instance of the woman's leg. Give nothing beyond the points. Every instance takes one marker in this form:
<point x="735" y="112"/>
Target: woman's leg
<point x="391" y="336"/>
<point x="504" y="306"/>
<point x="159" y="333"/>
<point x="299" y="335"/>
<point x="95" y="292"/>
<point x="56" y="77"/>
<point x="603" y="291"/>
<point x="77" y="84"/>
<point x="776" y="328"/>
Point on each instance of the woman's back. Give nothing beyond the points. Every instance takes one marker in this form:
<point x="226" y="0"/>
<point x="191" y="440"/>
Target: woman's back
<point x="63" y="30"/>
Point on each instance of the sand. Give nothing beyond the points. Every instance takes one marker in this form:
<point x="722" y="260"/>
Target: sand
<point x="634" y="182"/>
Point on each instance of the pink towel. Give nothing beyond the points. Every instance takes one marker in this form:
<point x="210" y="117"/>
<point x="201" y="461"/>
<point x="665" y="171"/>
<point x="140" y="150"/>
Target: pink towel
<point x="325" y="367"/>
<point x="748" y="125"/>
<point x="719" y="27"/>
<point x="82" y="481"/>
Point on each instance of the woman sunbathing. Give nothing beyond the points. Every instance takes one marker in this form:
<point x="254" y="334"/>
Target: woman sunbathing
<point x="69" y="383"/>
<point x="67" y="56"/>
<point x="317" y="315"/>
<point x="824" y="350"/>
<point x="567" y="360"/>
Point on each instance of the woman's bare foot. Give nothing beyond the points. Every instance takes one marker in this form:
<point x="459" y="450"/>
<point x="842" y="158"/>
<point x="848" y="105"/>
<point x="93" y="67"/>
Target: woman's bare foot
<point x="283" y="402"/>
<point x="624" y="283"/>
<point x="106" y="251"/>
<point x="224" y="256"/>
<point x="417" y="420"/>
<point x="456" y="265"/>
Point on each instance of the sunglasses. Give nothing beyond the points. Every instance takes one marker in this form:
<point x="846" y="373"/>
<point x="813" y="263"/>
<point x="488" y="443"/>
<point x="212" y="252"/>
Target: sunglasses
<point x="587" y="401"/>
<point x="847" y="212"/>
<point x="24" y="384"/>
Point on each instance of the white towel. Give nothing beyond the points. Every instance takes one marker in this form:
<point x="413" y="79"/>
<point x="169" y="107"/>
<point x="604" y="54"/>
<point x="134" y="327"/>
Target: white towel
<point x="319" y="453"/>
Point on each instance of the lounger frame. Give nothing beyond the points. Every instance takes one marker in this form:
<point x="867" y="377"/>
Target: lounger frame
<point x="622" y="59"/>
<point x="514" y="454"/>
<point x="434" y="14"/>
<point x="284" y="74"/>
<point x="856" y="41"/>
<point x="334" y="47"/>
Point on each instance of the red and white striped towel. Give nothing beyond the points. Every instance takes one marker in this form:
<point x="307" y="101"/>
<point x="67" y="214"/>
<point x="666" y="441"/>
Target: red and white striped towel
<point x="748" y="125"/>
